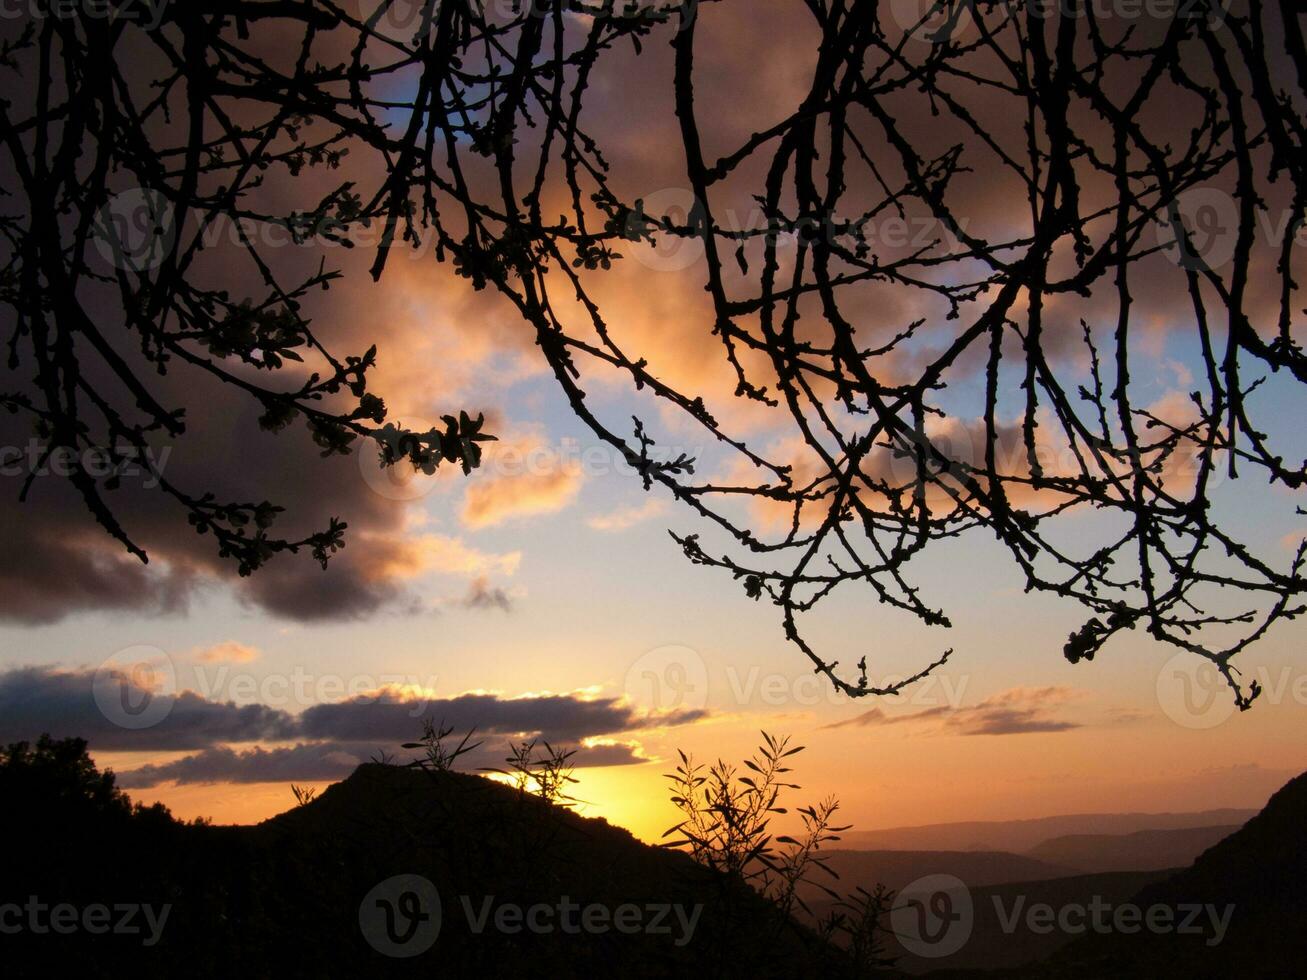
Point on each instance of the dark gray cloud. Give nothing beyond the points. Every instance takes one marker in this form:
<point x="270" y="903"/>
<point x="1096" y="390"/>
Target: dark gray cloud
<point x="1013" y="722"/>
<point x="560" y="717"/>
<point x="332" y="738"/>
<point x="306" y="762"/>
<point x="1017" y="711"/>
<point x="60" y="563"/>
<point x="323" y="761"/>
<point x="46" y="576"/>
<point x="34" y="700"/>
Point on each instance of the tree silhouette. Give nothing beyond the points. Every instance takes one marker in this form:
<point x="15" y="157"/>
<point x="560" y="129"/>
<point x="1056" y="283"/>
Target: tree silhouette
<point x="107" y="289"/>
<point x="957" y="379"/>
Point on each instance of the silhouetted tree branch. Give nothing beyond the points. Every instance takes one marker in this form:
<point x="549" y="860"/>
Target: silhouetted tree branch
<point x="170" y="114"/>
<point x="1010" y="398"/>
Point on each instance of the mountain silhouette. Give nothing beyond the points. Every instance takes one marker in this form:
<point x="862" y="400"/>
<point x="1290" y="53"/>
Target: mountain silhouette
<point x="311" y="891"/>
<point x="1020" y="836"/>
<point x="894" y="869"/>
<point x="1143" y="850"/>
<point x="1242" y="899"/>
<point x="401" y="871"/>
<point x="1258" y="875"/>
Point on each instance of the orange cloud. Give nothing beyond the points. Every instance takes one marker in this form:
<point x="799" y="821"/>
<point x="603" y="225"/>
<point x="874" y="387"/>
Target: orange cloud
<point x="522" y="477"/>
<point x="625" y="517"/>
<point x="229" y="652"/>
<point x="412" y="557"/>
<point x="1016" y="711"/>
<point x="440" y="345"/>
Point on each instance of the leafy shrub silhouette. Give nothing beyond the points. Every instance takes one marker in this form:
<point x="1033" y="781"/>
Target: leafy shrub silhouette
<point x="727" y="817"/>
<point x="726" y="828"/>
<point x="856" y="923"/>
<point x="437" y="755"/>
<point x="546" y="773"/>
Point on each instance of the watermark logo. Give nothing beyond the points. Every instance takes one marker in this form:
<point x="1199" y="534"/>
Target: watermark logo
<point x="936" y="916"/>
<point x="676" y="677"/>
<point x="947" y="453"/>
<point x="935" y="21"/>
<point x="572" y="918"/>
<point x="400" y="21"/>
<point x="400" y="480"/>
<point x="669" y="251"/>
<point x="135" y="230"/>
<point x="933" y="916"/>
<point x="400" y="917"/>
<point x="1193" y="693"/>
<point x="300" y="687"/>
<point x="956" y="21"/>
<point x="809" y="689"/>
<point x="1200" y="229"/>
<point x="667" y="231"/>
<point x="668" y="678"/>
<point x="39" y="459"/>
<point x="136" y="687"/>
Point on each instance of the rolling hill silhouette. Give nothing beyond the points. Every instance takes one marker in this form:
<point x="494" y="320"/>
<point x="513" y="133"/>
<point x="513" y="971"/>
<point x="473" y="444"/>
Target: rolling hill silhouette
<point x="1020" y="836"/>
<point x="1259" y="873"/>
<point x="1075" y="856"/>
<point x="894" y="869"/>
<point x="1242" y="901"/>
<point x="297" y="895"/>
<point x="1143" y="850"/>
<point x="456" y="863"/>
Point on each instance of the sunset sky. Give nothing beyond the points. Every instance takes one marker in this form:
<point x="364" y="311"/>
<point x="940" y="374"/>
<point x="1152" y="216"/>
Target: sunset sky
<point x="543" y="594"/>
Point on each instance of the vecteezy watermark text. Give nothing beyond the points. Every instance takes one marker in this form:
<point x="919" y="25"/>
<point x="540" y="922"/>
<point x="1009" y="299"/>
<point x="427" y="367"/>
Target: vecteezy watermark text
<point x="936" y="915"/>
<point x="38" y="459"/>
<point x="147" y="14"/>
<point x="573" y="918"/>
<point x="120" y="919"/>
<point x="300" y="687"/>
<point x="402" y="917"/>
<point x="1127" y="918"/>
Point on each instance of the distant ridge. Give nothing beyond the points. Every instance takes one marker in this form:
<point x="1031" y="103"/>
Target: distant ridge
<point x="1253" y="880"/>
<point x="1143" y="850"/>
<point x="1259" y="872"/>
<point x="1020" y="836"/>
<point x="894" y="869"/>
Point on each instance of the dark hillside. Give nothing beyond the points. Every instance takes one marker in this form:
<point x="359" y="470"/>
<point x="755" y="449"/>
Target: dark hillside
<point x="525" y="889"/>
<point x="1143" y="850"/>
<point x="1258" y="874"/>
